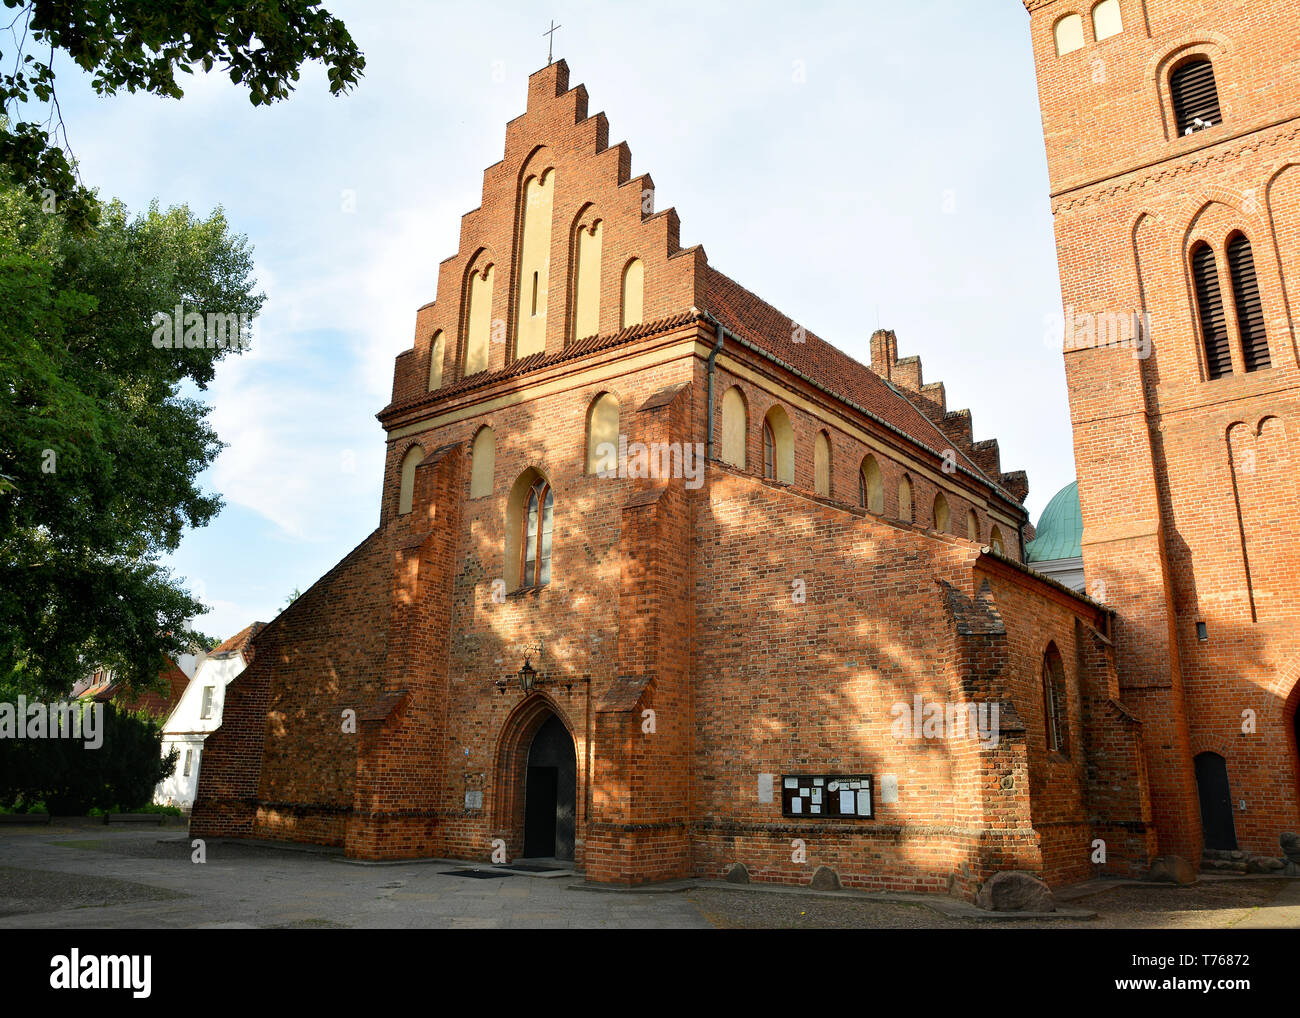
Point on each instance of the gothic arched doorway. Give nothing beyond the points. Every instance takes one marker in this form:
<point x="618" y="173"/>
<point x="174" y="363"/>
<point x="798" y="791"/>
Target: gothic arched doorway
<point x="550" y="793"/>
<point x="1216" y="802"/>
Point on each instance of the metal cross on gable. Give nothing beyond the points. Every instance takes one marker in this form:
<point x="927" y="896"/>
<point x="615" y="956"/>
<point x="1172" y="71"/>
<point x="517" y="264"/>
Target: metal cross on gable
<point x="551" y="41"/>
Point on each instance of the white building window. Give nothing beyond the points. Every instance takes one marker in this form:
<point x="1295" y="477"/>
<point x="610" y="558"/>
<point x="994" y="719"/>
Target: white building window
<point x="207" y="705"/>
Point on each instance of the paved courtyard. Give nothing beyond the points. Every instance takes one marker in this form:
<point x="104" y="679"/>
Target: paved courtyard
<point x="77" y="874"/>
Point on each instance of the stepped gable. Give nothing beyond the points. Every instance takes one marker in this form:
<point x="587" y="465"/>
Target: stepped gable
<point x="592" y="182"/>
<point x="758" y="322"/>
<point x="957" y="426"/>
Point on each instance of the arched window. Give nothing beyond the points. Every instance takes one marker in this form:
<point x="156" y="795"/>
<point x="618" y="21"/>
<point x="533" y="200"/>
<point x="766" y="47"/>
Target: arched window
<point x="483" y="458"/>
<point x="735" y="427"/>
<point x="478" y="319"/>
<point x="406" y="488"/>
<point x="1250" y="307"/>
<point x="1195" y="96"/>
<point x="822" y="464"/>
<point x="1055" y="714"/>
<point x="941" y="515"/>
<point x="972" y="526"/>
<point x="1069" y="34"/>
<point x="1106" y="20"/>
<point x="633" y="294"/>
<point x="871" y="486"/>
<point x="1209" y="304"/>
<point x="602" y="435"/>
<point x="538" y="513"/>
<point x="995" y="540"/>
<point x="437" y="349"/>
<point x="778" y="446"/>
<point x="905" y="499"/>
<point x="586" y="279"/>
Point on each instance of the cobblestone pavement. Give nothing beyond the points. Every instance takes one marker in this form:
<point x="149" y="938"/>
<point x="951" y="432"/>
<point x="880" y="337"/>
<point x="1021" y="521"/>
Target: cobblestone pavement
<point x="79" y="875"/>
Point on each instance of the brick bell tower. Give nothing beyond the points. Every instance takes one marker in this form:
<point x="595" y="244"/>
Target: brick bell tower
<point x="1173" y="142"/>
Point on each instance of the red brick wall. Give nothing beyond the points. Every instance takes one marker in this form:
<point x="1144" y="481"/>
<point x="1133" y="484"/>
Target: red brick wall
<point x="1184" y="485"/>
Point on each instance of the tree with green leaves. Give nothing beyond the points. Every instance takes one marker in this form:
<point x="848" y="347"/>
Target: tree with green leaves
<point x="127" y="44"/>
<point x="101" y="438"/>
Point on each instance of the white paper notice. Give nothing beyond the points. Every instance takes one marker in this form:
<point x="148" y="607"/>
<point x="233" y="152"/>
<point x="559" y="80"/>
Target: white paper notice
<point x="846" y="801"/>
<point x="864" y="802"/>
<point x="796" y="805"/>
<point x="791" y="782"/>
<point x="817" y="795"/>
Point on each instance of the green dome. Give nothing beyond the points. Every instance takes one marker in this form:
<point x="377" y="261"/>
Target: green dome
<point x="1060" y="529"/>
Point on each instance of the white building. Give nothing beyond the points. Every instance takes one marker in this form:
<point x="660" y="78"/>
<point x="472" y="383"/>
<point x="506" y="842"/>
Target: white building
<point x="199" y="712"/>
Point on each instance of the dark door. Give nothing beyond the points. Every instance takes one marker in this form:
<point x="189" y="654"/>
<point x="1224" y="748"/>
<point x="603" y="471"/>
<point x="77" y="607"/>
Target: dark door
<point x="550" y="798"/>
<point x="1216" y="802"/>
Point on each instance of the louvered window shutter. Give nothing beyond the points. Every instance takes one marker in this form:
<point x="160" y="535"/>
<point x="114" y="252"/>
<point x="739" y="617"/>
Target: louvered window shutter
<point x="1214" y="330"/>
<point x="1195" y="95"/>
<point x="1250" y="307"/>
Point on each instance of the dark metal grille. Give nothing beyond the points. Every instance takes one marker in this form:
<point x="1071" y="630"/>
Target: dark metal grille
<point x="1209" y="299"/>
<point x="1250" y="306"/>
<point x="1195" y="95"/>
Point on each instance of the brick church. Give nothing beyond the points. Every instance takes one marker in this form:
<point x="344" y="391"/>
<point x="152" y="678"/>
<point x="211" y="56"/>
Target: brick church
<point x="668" y="586"/>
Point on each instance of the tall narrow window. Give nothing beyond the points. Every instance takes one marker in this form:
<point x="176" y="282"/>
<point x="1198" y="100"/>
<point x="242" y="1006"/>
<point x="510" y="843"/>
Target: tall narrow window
<point x="1250" y="307"/>
<point x="1054" y="702"/>
<point x="995" y="541"/>
<point x="735" y="427"/>
<point x="871" y="486"/>
<point x="972" y="526"/>
<point x="189" y="760"/>
<point x="1069" y="34"/>
<point x="633" y="293"/>
<point x="208" y="692"/>
<point x="406" y="486"/>
<point x="778" y="446"/>
<point x="536" y="571"/>
<point x="1195" y="95"/>
<point x="1209" y="302"/>
<point x="535" y="284"/>
<point x="905" y="499"/>
<point x="941" y="515"/>
<point x="1106" y="20"/>
<point x="437" y="350"/>
<point x="822" y="465"/>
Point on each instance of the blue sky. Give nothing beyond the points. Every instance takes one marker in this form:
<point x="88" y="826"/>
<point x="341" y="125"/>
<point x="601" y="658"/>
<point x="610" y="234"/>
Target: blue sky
<point x="887" y="157"/>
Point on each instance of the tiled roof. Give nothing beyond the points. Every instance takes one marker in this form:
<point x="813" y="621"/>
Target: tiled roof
<point x="756" y="321"/>
<point x="240" y="642"/>
<point x="590" y="344"/>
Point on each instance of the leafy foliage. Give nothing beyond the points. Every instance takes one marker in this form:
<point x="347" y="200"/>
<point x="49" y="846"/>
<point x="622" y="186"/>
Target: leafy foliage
<point x="100" y="449"/>
<point x="127" y="44"/>
<point x="123" y="771"/>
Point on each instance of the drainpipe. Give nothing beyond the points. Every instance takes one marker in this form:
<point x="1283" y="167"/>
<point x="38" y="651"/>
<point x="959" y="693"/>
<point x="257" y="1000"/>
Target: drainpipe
<point x="720" y="333"/>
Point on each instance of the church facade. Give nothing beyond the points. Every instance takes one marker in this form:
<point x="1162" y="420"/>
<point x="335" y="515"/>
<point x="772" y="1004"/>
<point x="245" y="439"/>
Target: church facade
<point x="667" y="585"/>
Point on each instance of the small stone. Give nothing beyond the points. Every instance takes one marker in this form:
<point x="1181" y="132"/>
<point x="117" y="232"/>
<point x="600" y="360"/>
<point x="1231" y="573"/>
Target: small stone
<point x="1013" y="891"/>
<point x="1174" y="869"/>
<point x="738" y="874"/>
<point x="825" y="879"/>
<point x="1264" y="864"/>
<point x="1291" y="846"/>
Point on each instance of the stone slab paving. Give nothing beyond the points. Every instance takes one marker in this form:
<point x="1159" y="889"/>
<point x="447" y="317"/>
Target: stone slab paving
<point x="76" y="875"/>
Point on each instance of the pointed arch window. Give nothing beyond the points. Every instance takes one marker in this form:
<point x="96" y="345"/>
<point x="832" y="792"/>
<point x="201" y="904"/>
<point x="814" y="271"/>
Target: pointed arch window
<point x="871" y="487"/>
<point x="822" y="464"/>
<point x="406" y="485"/>
<point x="539" y="512"/>
<point x="1250" y="306"/>
<point x="735" y="427"/>
<point x="1054" y="702"/>
<point x="942" y="517"/>
<point x="1209" y="304"/>
<point x="905" y="499"/>
<point x="769" y="451"/>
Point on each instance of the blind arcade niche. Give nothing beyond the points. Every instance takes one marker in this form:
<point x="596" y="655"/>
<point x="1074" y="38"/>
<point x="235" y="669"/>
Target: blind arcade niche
<point x="827" y="795"/>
